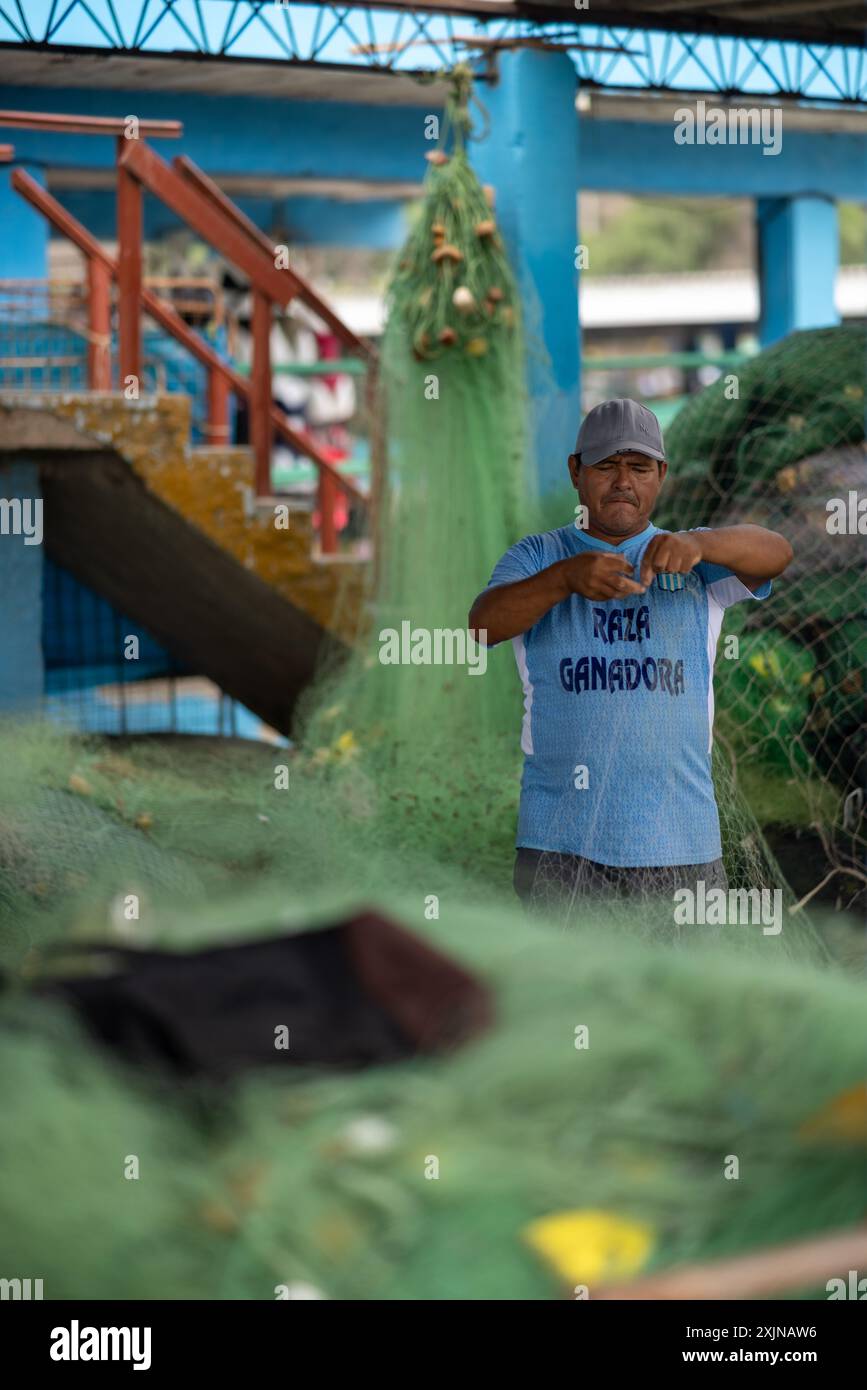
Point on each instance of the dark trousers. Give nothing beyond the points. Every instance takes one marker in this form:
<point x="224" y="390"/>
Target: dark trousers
<point x="547" y="878"/>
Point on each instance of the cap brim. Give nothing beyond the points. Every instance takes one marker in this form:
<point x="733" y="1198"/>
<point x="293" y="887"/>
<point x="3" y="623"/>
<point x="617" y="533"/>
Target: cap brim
<point x="590" y="457"/>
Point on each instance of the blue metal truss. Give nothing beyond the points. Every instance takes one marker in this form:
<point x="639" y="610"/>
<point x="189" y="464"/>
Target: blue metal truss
<point x="418" y="41"/>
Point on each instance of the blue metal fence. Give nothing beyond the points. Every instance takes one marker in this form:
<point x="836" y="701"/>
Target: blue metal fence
<point x="106" y="674"/>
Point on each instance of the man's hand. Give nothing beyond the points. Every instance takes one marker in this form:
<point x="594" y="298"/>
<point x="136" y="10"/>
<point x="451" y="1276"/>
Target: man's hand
<point x="670" y="553"/>
<point x="600" y="576"/>
<point x="513" y="608"/>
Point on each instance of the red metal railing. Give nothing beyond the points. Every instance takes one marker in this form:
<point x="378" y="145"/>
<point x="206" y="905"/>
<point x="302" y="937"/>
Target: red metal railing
<point x="197" y="201"/>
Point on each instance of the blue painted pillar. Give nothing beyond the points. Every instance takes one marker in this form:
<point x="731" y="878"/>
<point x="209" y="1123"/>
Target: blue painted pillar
<point x="531" y="158"/>
<point x="22" y="672"/>
<point x="799" y="252"/>
<point x="23" y="233"/>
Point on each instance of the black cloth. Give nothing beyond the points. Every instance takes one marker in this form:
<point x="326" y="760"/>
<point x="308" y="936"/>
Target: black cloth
<point x="360" y="992"/>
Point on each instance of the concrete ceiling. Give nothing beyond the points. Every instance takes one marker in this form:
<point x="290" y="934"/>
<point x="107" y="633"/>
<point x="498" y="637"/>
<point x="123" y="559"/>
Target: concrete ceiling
<point x="104" y="69"/>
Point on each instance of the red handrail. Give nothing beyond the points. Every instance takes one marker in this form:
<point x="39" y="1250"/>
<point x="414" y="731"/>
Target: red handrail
<point x="198" y="201"/>
<point x="211" y="224"/>
<point x="219" y="224"/>
<point x="300" y="287"/>
<point x="166" y="317"/>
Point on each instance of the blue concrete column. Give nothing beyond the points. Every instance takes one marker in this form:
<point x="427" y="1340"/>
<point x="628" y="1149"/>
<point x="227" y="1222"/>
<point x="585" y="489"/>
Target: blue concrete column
<point x="23" y="233"/>
<point x="22" y="673"/>
<point x="531" y="158"/>
<point x="799" y="252"/>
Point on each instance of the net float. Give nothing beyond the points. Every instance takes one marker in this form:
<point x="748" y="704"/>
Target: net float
<point x="463" y="299"/>
<point x="447" y="253"/>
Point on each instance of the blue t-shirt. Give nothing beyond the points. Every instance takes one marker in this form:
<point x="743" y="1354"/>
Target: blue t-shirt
<point x="622" y="689"/>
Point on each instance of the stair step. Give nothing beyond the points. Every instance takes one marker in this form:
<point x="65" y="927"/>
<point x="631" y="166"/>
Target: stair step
<point x="361" y="555"/>
<point x="293" y="502"/>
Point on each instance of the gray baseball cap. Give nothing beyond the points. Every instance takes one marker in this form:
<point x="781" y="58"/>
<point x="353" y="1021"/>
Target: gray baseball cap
<point x="618" y="426"/>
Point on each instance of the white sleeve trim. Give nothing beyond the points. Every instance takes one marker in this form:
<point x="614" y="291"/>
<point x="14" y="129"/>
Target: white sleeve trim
<point x="731" y="590"/>
<point x="526" y="724"/>
<point x="715" y="615"/>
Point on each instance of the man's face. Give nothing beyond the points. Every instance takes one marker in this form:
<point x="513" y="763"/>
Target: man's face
<point x="619" y="493"/>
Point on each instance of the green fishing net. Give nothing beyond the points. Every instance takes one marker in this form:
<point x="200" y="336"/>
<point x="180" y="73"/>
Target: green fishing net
<point x="430" y="750"/>
<point x="419" y="1181"/>
<point x="781" y="443"/>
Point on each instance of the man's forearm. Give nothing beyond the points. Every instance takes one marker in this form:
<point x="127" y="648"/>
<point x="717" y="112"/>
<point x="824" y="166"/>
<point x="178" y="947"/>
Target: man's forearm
<point x="513" y="608"/>
<point x="749" y="550"/>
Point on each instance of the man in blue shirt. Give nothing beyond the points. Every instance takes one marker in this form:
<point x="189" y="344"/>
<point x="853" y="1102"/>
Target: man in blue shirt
<point x="614" y="625"/>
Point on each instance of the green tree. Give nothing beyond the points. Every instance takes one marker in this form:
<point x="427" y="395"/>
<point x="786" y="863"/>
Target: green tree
<point x="669" y="235"/>
<point x="853" y="234"/>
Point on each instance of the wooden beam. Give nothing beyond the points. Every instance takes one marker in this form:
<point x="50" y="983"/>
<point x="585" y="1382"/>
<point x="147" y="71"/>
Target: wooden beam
<point x="89" y="125"/>
<point x="759" y="1274"/>
<point x="343" y="190"/>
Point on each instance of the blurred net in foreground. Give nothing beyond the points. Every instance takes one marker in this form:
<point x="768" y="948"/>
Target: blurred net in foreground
<point x="693" y="1053"/>
<point x="689" y="1058"/>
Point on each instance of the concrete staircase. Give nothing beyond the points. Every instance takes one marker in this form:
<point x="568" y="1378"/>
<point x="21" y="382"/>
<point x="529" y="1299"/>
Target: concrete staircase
<point x="172" y="535"/>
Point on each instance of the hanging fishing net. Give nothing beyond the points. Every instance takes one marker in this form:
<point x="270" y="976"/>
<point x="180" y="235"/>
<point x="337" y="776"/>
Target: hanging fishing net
<point x="419" y="727"/>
